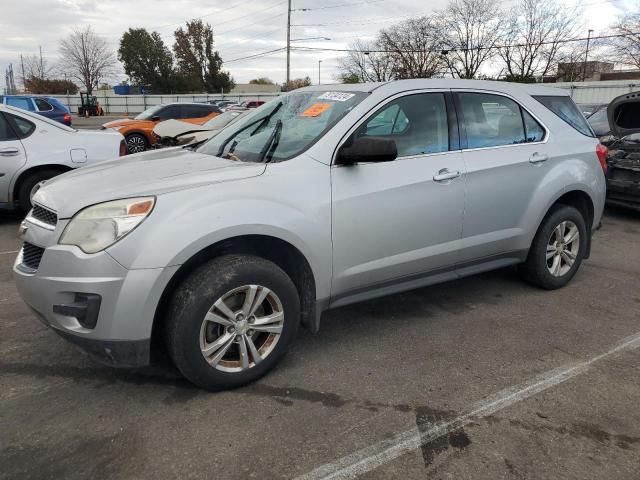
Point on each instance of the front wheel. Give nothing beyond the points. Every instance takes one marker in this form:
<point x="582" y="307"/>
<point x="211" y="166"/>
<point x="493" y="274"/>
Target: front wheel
<point x="557" y="249"/>
<point x="136" y="143"/>
<point x="231" y="321"/>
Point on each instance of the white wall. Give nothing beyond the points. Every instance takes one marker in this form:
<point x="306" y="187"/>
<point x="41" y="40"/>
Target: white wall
<point x="133" y="104"/>
<point x="598" y="92"/>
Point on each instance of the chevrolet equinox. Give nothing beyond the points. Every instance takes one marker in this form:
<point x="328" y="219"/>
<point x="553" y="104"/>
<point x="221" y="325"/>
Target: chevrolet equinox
<point x="320" y="198"/>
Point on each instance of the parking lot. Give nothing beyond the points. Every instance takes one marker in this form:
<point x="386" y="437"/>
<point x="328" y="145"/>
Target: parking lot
<point x="484" y="377"/>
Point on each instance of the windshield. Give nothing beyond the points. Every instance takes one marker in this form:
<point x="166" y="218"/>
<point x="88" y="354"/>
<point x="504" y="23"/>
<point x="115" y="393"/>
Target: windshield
<point x="282" y="128"/>
<point x="222" y="120"/>
<point x="148" y="113"/>
<point x="599" y="122"/>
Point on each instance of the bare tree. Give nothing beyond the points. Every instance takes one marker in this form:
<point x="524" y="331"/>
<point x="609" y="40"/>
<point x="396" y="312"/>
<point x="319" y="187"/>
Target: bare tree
<point x="470" y="29"/>
<point x="626" y="49"/>
<point x="366" y="62"/>
<point x="536" y="31"/>
<point x="413" y="46"/>
<point x="36" y="67"/>
<point x="87" y="58"/>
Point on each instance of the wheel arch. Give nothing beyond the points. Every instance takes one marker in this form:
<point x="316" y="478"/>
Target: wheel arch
<point x="271" y="248"/>
<point x="61" y="168"/>
<point x="581" y="201"/>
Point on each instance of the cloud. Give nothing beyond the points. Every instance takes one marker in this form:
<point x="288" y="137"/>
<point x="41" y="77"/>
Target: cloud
<point x="242" y="28"/>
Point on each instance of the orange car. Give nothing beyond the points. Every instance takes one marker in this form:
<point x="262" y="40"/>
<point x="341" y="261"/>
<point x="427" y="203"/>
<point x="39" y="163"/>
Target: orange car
<point x="138" y="131"/>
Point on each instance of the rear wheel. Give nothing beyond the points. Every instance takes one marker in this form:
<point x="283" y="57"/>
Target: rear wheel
<point x="30" y="186"/>
<point x="557" y="249"/>
<point x="231" y="321"/>
<point x="136" y="143"/>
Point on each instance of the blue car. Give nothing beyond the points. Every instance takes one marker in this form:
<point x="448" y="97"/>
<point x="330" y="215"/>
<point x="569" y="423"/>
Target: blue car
<point x="46" y="106"/>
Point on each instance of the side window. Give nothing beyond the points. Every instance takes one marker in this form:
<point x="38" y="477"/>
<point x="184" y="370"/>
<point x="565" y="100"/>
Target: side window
<point x="172" y="111"/>
<point x="20" y="102"/>
<point x="6" y="132"/>
<point x="43" y="105"/>
<point x="22" y="127"/>
<point x="491" y="120"/>
<point x="533" y="130"/>
<point x="417" y="123"/>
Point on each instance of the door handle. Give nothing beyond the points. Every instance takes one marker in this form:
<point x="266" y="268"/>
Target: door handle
<point x="9" y="152"/>
<point x="538" y="158"/>
<point x="445" y="174"/>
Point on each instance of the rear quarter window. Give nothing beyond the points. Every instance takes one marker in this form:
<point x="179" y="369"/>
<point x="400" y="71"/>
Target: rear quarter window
<point x="563" y="107"/>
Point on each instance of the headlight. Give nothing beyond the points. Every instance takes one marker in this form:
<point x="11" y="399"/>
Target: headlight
<point x="100" y="226"/>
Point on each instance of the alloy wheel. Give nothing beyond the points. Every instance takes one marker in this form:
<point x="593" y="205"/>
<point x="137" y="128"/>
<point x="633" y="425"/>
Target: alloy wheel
<point x="562" y="248"/>
<point x="136" y="144"/>
<point x="241" y="328"/>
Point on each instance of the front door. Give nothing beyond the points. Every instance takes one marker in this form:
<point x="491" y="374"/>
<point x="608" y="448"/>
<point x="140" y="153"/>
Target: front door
<point x="395" y="222"/>
<point x="12" y="154"/>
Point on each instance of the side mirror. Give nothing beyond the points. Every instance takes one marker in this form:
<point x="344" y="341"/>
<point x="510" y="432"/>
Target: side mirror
<point x="367" y="149"/>
<point x="155" y="118"/>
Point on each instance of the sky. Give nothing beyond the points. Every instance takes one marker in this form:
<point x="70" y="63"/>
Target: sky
<point x="241" y="27"/>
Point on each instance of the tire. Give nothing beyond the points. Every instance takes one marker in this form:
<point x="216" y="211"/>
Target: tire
<point x="556" y="271"/>
<point x="24" y="191"/>
<point x="136" y="143"/>
<point x="189" y="335"/>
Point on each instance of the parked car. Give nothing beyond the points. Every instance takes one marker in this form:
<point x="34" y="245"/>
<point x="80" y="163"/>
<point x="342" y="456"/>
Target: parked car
<point x="138" y="131"/>
<point x="46" y="106"/>
<point x="252" y="103"/>
<point x="171" y="133"/>
<point x="221" y="103"/>
<point x="618" y="126"/>
<point x="324" y="197"/>
<point x="34" y="149"/>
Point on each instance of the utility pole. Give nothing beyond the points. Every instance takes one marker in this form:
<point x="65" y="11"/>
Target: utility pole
<point x="24" y="88"/>
<point x="41" y="64"/>
<point x="288" y="42"/>
<point x="319" y="62"/>
<point x="586" y="56"/>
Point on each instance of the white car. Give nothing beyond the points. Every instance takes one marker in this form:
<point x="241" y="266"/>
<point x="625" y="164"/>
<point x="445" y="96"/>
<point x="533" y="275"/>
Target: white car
<point x="34" y="149"/>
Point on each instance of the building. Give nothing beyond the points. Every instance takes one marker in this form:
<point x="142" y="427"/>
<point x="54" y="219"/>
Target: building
<point x="252" y="88"/>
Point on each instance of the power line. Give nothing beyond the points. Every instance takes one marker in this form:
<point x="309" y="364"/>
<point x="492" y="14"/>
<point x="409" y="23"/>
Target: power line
<point x="336" y="6"/>
<point x="462" y="49"/>
<point x="256" y="55"/>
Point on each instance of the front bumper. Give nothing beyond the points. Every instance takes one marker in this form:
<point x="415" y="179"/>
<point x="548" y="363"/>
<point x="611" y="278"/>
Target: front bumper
<point x="128" y="300"/>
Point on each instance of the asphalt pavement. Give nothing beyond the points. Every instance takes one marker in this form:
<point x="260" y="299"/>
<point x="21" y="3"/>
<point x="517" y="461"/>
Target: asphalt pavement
<point x="481" y="378"/>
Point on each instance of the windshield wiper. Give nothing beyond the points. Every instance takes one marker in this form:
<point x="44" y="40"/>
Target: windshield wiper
<point x="260" y="121"/>
<point x="271" y="144"/>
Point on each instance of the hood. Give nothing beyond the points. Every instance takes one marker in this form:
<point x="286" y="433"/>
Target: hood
<point x="149" y="173"/>
<point x="624" y="114"/>
<point x="124" y="122"/>
<point x="195" y="137"/>
<point x="173" y="128"/>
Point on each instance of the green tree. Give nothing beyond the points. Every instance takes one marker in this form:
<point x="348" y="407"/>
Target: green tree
<point x="146" y="59"/>
<point x="261" y="81"/>
<point x="198" y="64"/>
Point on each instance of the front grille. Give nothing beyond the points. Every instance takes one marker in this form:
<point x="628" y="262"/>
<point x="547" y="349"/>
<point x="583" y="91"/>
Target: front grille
<point x="44" y="215"/>
<point x="31" y="255"/>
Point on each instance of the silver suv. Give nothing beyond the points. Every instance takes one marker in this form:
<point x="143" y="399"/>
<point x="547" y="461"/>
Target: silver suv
<point x="318" y="199"/>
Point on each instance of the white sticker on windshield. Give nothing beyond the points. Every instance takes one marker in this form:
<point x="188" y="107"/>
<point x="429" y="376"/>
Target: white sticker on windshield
<point x="336" y="96"/>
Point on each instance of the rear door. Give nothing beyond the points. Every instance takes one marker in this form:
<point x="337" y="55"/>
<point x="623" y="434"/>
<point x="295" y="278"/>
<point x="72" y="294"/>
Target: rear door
<point x="12" y="152"/>
<point x="506" y="157"/>
<point x="394" y="223"/>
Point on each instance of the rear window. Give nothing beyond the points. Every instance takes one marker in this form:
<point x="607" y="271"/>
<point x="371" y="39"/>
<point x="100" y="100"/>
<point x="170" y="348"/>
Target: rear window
<point x="564" y="108"/>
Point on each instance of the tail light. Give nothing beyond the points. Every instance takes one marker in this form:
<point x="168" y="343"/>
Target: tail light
<point x="67" y="119"/>
<point x="602" y="152"/>
<point x="124" y="150"/>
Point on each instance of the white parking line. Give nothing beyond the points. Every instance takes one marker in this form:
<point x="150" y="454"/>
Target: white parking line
<point x="385" y="451"/>
<point x="7" y="253"/>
